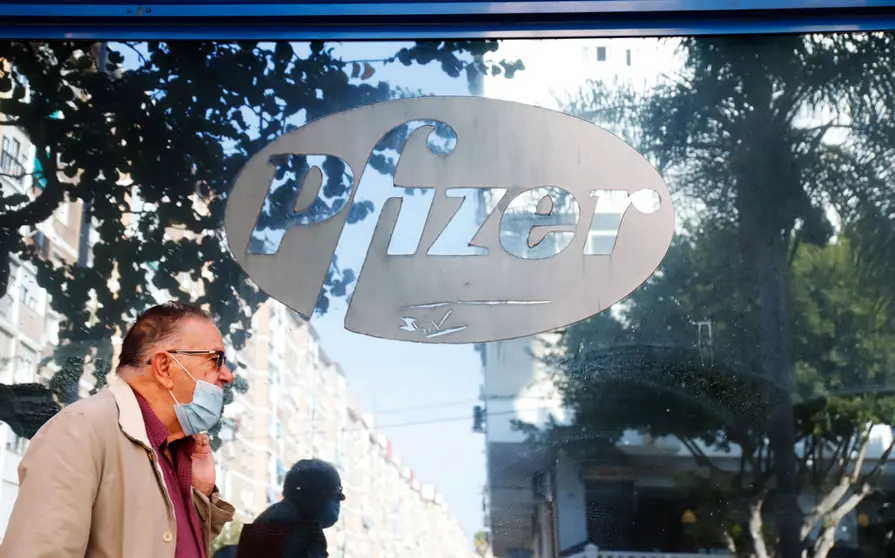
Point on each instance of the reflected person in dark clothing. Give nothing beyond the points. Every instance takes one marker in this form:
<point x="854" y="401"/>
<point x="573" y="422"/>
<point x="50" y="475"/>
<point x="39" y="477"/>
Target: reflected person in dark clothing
<point x="293" y="527"/>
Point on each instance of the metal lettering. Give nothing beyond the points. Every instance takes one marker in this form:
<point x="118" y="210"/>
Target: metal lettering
<point x="539" y="223"/>
<point x="450" y="241"/>
<point x="535" y="268"/>
<point x="305" y="189"/>
<point x="609" y="211"/>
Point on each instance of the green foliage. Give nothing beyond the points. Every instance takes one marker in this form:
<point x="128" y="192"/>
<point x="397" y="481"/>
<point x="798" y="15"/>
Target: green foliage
<point x="718" y="522"/>
<point x="482" y="543"/>
<point x="843" y="332"/>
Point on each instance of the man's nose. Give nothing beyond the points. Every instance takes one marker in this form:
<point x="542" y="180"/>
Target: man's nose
<point x="225" y="376"/>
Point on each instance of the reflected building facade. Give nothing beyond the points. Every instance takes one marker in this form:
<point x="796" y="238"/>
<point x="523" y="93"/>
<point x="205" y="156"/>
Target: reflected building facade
<point x="29" y="328"/>
<point x="298" y="406"/>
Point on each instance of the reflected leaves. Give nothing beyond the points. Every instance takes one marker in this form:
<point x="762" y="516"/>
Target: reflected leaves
<point x="307" y="189"/>
<point x="327" y="178"/>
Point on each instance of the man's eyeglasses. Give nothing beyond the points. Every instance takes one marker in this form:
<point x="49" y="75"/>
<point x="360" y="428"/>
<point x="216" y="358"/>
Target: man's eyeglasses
<point x="220" y="359"/>
<point x="336" y="494"/>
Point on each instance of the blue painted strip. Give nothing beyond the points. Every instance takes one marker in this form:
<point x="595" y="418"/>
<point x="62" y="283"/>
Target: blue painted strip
<point x="242" y="9"/>
<point x="643" y="28"/>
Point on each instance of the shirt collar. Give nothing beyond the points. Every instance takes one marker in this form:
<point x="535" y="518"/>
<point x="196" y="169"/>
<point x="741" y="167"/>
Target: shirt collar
<point x="155" y="430"/>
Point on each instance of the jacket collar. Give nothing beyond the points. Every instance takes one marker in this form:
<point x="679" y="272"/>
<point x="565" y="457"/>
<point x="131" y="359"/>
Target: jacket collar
<point x="130" y="418"/>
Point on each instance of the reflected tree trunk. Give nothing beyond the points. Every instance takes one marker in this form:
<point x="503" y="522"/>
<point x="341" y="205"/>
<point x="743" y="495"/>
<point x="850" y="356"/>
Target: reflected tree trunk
<point x="756" y="526"/>
<point x="775" y="353"/>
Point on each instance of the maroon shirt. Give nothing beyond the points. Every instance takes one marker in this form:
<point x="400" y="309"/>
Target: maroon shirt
<point x="178" y="473"/>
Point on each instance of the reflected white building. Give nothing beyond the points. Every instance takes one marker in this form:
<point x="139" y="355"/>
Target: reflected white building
<point x="29" y="328"/>
<point x="556" y="70"/>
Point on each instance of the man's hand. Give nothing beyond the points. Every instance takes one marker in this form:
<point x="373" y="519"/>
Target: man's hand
<point x="203" y="465"/>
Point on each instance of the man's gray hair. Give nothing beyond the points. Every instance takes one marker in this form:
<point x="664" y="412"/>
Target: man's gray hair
<point x="153" y="326"/>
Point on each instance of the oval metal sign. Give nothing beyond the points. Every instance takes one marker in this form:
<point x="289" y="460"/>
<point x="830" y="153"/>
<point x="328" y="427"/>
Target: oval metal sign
<point x="568" y="218"/>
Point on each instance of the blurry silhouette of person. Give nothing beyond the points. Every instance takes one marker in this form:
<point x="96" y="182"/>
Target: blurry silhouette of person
<point x="293" y="527"/>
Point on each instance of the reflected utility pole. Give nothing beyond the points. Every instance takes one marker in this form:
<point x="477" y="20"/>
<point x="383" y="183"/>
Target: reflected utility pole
<point x="705" y="343"/>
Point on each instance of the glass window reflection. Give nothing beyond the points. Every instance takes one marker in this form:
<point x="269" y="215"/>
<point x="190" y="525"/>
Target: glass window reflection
<point x="739" y="402"/>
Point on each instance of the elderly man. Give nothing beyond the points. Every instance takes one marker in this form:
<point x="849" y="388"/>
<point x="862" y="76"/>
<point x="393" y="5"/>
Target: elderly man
<point x="128" y="472"/>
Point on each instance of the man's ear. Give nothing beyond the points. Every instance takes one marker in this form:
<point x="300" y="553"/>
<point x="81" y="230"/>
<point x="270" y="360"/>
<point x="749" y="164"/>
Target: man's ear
<point x="162" y="370"/>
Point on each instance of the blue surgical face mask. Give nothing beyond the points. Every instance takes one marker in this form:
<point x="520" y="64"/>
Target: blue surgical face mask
<point x="329" y="515"/>
<point x="205" y="409"/>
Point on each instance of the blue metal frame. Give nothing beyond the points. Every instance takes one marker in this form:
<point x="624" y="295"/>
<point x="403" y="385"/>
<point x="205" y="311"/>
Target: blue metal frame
<point x="405" y="19"/>
<point x="405" y="8"/>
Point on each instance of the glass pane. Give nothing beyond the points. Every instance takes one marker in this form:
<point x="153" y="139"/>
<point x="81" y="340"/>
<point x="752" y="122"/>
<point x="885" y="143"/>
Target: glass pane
<point x="613" y="298"/>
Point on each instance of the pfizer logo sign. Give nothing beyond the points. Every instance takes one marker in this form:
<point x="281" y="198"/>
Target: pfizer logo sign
<point x="536" y="219"/>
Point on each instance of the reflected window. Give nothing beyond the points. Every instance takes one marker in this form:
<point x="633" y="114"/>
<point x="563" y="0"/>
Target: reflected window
<point x="9" y="159"/>
<point x="6" y="356"/>
<point x="26" y="363"/>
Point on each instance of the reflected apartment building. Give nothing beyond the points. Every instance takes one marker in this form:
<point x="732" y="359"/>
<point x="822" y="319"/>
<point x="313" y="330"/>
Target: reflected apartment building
<point x="297" y="405"/>
<point x="29" y="327"/>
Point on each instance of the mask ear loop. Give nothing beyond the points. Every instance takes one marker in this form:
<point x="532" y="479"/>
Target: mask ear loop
<point x="187" y="373"/>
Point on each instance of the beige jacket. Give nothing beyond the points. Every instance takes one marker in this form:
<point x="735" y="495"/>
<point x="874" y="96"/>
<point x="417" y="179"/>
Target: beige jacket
<point x="90" y="486"/>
